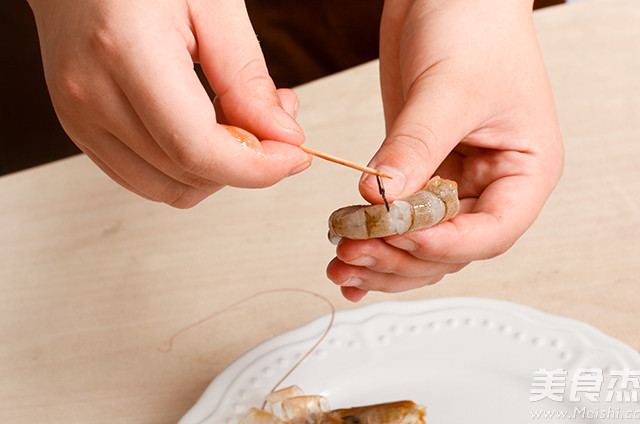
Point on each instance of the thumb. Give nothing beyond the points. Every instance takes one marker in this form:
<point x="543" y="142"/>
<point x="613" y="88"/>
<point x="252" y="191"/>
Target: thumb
<point x="433" y="119"/>
<point x="233" y="62"/>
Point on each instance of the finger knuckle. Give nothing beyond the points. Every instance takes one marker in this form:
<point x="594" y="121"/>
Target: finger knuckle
<point x="69" y="88"/>
<point x="459" y="267"/>
<point x="189" y="157"/>
<point x="418" y="139"/>
<point x="106" y="36"/>
<point x="254" y="71"/>
<point x="433" y="280"/>
<point x="499" y="248"/>
<point x="389" y="267"/>
<point x="103" y="41"/>
<point x="252" y="74"/>
<point x="197" y="182"/>
<point x="177" y="195"/>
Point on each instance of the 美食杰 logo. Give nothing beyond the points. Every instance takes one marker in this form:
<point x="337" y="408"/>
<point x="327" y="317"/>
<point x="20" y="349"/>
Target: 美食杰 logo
<point x="615" y="396"/>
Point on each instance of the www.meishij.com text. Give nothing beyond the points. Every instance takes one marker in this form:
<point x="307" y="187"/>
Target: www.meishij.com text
<point x="585" y="413"/>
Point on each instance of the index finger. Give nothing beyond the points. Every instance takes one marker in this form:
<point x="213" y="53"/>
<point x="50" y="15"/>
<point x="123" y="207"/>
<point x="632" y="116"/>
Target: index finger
<point x="158" y="79"/>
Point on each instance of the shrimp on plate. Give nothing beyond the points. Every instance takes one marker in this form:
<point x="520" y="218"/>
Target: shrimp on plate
<point x="436" y="202"/>
<point x="297" y="408"/>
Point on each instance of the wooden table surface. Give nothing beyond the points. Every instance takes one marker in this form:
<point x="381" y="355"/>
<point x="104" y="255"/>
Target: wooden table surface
<point x="94" y="279"/>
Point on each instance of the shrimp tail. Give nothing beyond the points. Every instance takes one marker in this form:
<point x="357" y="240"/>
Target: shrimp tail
<point x="297" y="408"/>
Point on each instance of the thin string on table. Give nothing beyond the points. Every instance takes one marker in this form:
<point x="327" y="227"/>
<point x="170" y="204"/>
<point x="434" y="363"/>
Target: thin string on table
<point x="257" y="294"/>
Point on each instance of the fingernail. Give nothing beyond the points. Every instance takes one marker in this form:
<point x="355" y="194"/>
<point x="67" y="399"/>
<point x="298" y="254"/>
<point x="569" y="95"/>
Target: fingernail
<point x="296" y="107"/>
<point x="352" y="282"/>
<point x="403" y="243"/>
<point x="363" y="261"/>
<point x="353" y="294"/>
<point x="285" y="120"/>
<point x="298" y="169"/>
<point x="334" y="239"/>
<point x="393" y="186"/>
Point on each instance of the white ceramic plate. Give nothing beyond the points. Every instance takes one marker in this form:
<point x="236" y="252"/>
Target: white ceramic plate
<point x="469" y="360"/>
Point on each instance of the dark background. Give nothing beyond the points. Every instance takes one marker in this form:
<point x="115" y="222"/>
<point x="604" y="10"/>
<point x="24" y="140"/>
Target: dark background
<point x="301" y="40"/>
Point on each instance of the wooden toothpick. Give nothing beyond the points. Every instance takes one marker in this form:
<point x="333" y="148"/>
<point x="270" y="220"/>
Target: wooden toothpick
<point x="344" y="162"/>
<point x="247" y="138"/>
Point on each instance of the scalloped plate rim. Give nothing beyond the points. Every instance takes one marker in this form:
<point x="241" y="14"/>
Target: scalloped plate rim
<point x="215" y="392"/>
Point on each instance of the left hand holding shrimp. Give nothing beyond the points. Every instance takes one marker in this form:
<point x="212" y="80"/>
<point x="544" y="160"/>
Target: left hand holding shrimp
<point x="466" y="97"/>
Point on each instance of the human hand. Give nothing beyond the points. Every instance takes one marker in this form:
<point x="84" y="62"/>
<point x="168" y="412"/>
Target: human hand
<point x="465" y="97"/>
<point x="121" y="78"/>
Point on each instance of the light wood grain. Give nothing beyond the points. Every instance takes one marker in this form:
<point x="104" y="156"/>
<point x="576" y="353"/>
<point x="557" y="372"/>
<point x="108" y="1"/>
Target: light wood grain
<point x="94" y="279"/>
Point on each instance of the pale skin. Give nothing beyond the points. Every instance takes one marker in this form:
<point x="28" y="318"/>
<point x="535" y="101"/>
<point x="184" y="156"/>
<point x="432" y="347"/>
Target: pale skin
<point x="465" y="97"/>
<point x="121" y="78"/>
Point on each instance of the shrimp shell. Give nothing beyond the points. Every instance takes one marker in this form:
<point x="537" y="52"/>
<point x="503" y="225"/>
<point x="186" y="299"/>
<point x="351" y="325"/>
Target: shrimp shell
<point x="436" y="202"/>
<point x="312" y="409"/>
<point x="401" y="412"/>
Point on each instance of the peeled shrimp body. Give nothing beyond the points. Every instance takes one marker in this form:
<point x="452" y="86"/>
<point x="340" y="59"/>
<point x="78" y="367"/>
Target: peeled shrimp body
<point x="436" y="202"/>
<point x="297" y="408"/>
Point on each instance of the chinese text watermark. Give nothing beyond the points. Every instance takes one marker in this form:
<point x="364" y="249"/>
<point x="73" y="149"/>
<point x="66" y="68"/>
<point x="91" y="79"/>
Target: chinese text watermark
<point x="615" y="397"/>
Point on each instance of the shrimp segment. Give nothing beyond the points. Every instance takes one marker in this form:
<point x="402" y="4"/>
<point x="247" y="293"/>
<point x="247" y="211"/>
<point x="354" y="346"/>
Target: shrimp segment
<point x="436" y="202"/>
<point x="301" y="409"/>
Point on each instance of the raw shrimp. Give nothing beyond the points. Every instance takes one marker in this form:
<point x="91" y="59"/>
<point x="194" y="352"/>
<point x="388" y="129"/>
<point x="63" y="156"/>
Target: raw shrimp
<point x="436" y="202"/>
<point x="297" y="408"/>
